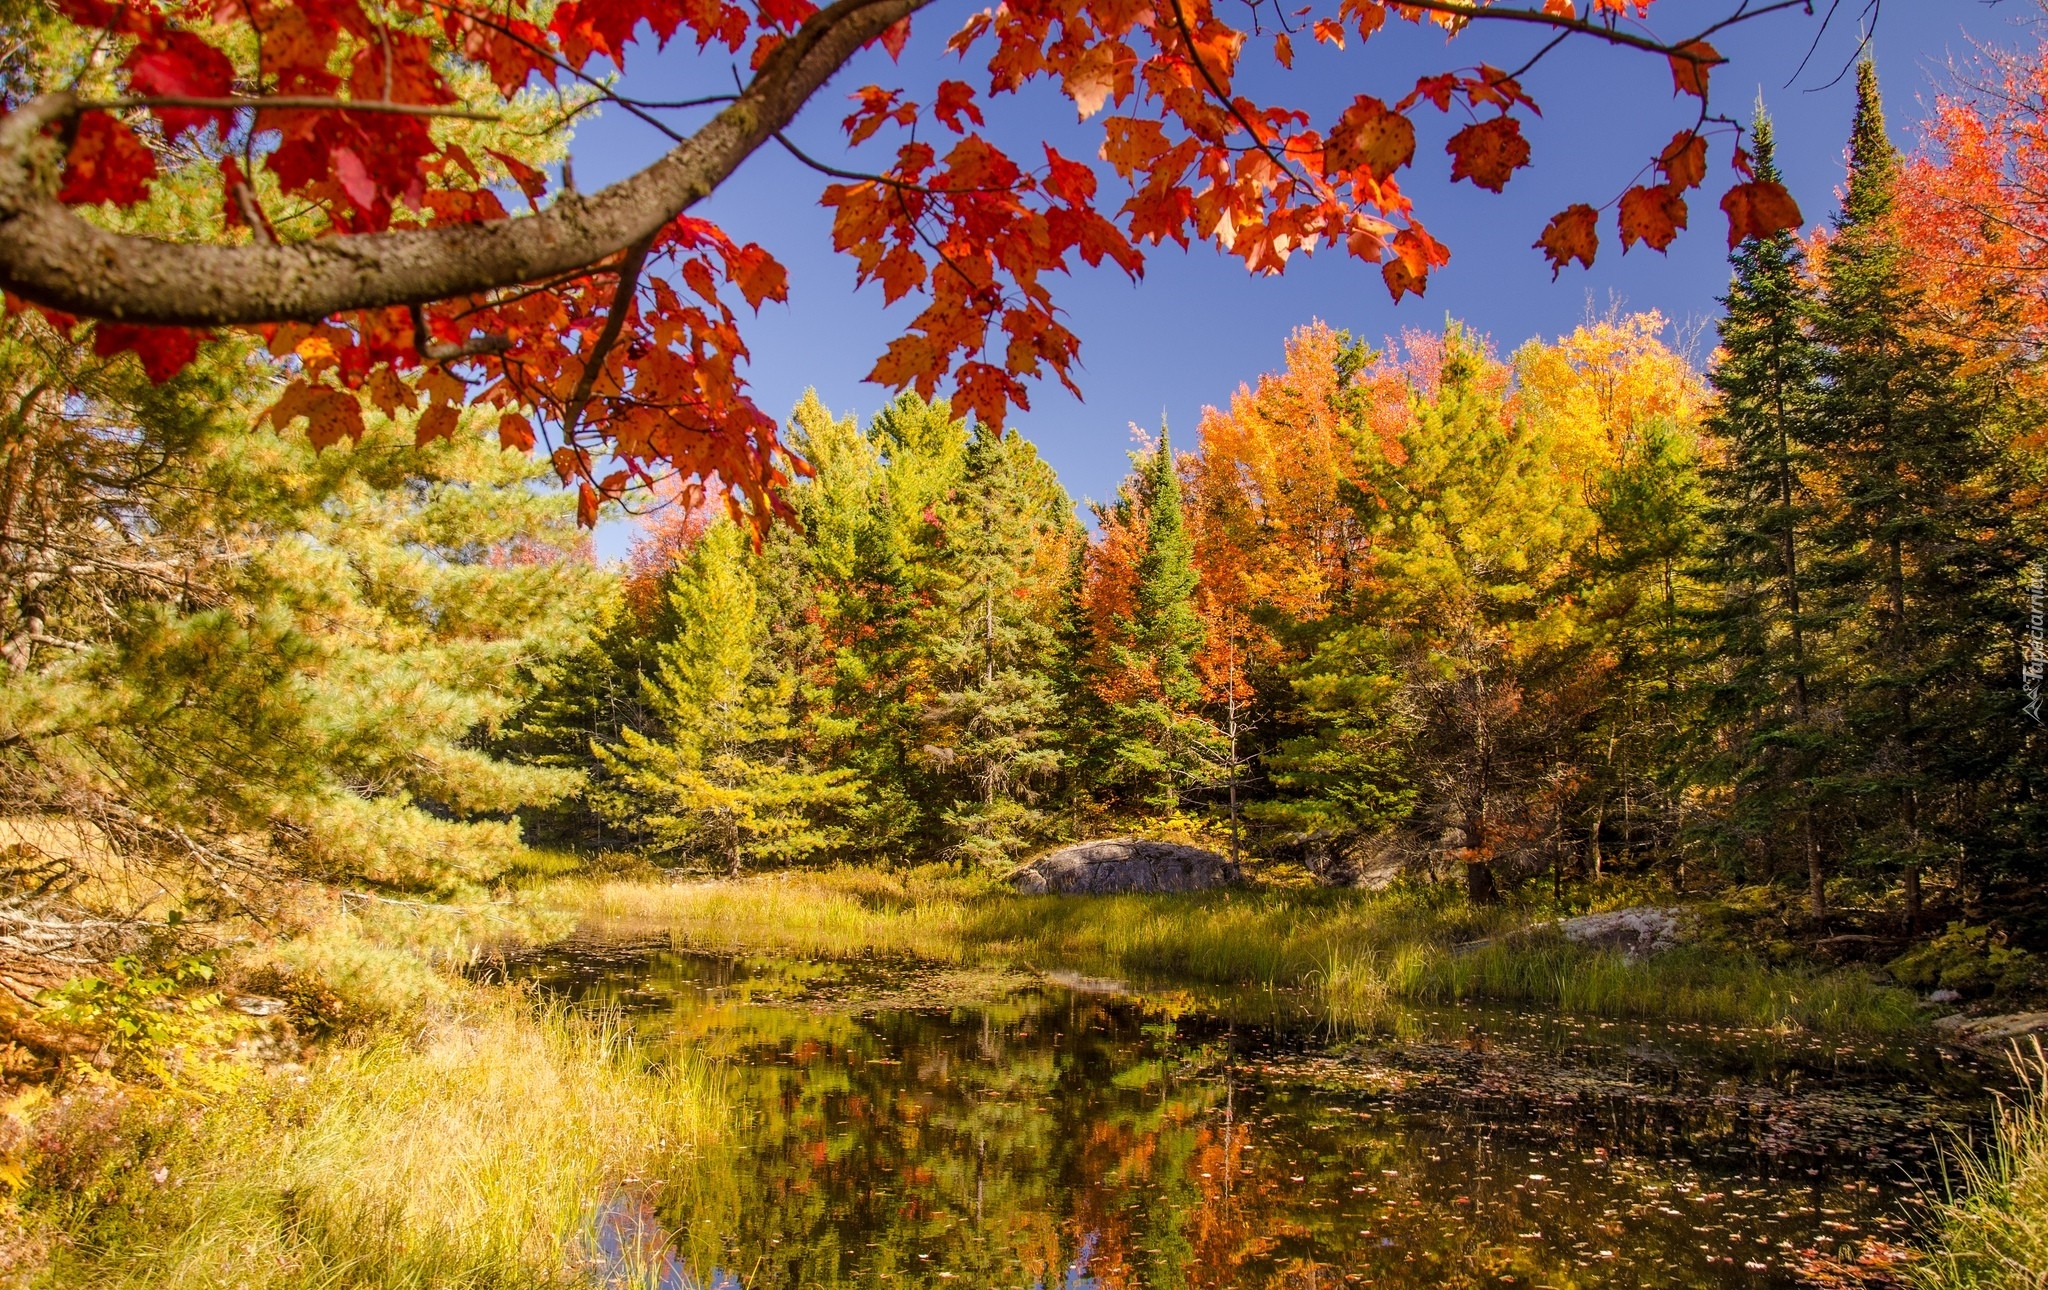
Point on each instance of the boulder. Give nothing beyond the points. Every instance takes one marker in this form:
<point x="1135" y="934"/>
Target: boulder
<point x="1638" y="932"/>
<point x="1112" y="865"/>
<point x="1993" y="1034"/>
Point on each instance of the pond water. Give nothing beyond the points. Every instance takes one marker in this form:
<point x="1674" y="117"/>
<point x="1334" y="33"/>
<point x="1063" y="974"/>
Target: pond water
<point x="907" y="1126"/>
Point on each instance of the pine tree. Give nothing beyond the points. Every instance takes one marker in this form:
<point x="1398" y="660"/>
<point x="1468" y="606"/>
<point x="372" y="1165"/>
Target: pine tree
<point x="1758" y="684"/>
<point x="1161" y="744"/>
<point x="1475" y="529"/>
<point x="722" y="777"/>
<point x="1919" y="565"/>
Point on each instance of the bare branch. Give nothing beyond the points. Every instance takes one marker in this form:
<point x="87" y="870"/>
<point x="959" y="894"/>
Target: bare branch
<point x="615" y="319"/>
<point x="435" y="351"/>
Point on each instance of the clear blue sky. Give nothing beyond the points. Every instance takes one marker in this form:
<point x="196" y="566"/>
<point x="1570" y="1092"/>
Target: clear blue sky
<point x="1198" y="325"/>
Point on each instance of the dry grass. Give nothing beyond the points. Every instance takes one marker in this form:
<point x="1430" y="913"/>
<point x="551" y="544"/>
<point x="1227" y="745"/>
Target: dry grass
<point x="470" y="1140"/>
<point x="475" y="1154"/>
<point x="1364" y="953"/>
<point x="1994" y="1234"/>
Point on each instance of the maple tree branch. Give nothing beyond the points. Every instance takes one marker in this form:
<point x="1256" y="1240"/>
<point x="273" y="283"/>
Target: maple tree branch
<point x="868" y="177"/>
<point x="614" y="322"/>
<point x="1195" y="56"/>
<point x="1588" y="27"/>
<point x="293" y="102"/>
<point x="435" y="351"/>
<point x="52" y="257"/>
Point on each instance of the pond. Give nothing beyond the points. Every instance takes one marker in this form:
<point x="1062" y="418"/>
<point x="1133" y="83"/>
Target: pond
<point x="902" y="1125"/>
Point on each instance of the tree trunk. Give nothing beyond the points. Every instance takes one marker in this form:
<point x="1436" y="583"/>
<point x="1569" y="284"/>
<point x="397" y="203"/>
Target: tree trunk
<point x="1913" y="912"/>
<point x="1816" y="876"/>
<point x="1479" y="888"/>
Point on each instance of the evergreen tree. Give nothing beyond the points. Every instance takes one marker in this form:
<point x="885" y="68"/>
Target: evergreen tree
<point x="244" y="660"/>
<point x="992" y="724"/>
<point x="1161" y="745"/>
<point x="1919" y="563"/>
<point x="1758" y="687"/>
<point x="1348" y="772"/>
<point x="1475" y="527"/>
<point x="721" y="777"/>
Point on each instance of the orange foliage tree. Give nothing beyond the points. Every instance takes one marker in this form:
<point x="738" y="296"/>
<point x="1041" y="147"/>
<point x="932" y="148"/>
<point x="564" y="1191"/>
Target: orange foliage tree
<point x="339" y="190"/>
<point x="1971" y="205"/>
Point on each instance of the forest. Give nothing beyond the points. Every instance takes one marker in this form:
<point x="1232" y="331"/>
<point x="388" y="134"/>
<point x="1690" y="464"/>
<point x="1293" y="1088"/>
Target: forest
<point x="1424" y="608"/>
<point x="395" y="893"/>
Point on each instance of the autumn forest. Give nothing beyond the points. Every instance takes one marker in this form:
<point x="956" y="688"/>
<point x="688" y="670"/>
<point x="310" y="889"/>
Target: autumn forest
<point x="1462" y="812"/>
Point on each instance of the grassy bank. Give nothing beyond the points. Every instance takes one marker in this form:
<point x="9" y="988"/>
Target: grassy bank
<point x="1995" y="1235"/>
<point x="464" y="1136"/>
<point x="1360" y="951"/>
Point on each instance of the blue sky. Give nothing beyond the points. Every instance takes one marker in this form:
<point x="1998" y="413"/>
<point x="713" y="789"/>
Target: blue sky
<point x="1198" y="325"/>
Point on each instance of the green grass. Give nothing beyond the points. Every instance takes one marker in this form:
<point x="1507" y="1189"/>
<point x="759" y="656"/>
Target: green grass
<point x="1994" y="1235"/>
<point x="1363" y="953"/>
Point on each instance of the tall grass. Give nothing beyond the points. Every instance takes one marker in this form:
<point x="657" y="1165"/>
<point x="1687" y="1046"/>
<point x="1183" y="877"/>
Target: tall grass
<point x="1995" y="1235"/>
<point x="1361" y="953"/>
<point x="478" y="1152"/>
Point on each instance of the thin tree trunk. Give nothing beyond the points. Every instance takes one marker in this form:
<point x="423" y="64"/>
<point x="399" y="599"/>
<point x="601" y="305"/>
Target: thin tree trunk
<point x="1816" y="876"/>
<point x="1232" y="680"/>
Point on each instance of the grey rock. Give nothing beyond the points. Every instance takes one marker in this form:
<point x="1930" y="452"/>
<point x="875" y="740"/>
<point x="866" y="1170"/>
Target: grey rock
<point x="1993" y="1034"/>
<point x="1112" y="865"/>
<point x="1638" y="932"/>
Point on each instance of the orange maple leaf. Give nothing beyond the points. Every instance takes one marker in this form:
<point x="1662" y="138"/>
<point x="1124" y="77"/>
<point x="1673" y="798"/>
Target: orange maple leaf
<point x="1684" y="160"/>
<point x="1758" y="209"/>
<point x="1652" y="214"/>
<point x="1572" y="234"/>
<point x="1690" y="64"/>
<point x="1488" y="152"/>
<point x="1372" y="136"/>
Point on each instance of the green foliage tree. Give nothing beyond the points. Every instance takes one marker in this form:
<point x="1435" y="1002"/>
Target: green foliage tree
<point x="1919" y="566"/>
<point x="235" y="661"/>
<point x="1161" y="744"/>
<point x="1758" y="626"/>
<point x="991" y="727"/>
<point x="721" y="776"/>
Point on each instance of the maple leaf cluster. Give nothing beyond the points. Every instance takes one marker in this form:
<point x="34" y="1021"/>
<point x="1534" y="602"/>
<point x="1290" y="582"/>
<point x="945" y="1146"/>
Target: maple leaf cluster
<point x="331" y="109"/>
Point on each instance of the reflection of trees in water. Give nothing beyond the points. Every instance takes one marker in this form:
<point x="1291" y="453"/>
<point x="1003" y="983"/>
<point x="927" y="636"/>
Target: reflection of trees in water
<point x="1065" y="1142"/>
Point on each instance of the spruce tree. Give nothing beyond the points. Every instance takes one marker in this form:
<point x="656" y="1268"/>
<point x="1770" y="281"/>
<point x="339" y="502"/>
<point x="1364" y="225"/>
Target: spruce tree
<point x="991" y="729"/>
<point x="1162" y="745"/>
<point x="1756" y="685"/>
<point x="1919" y="565"/>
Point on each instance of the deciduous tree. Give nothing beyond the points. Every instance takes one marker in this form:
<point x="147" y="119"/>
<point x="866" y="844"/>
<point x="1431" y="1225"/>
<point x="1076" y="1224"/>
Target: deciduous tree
<point x="341" y="167"/>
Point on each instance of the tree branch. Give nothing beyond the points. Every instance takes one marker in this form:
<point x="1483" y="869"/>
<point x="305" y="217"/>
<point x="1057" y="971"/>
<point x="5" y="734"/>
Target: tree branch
<point x="284" y="102"/>
<point x="49" y="256"/>
<point x="615" y="319"/>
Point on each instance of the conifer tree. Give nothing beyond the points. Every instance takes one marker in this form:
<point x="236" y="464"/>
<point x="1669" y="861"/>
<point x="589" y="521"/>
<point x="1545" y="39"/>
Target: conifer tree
<point x="1161" y="743"/>
<point x="1919" y="566"/>
<point x="722" y="777"/>
<point x="1475" y="530"/>
<point x="992" y="725"/>
<point x="1759" y="631"/>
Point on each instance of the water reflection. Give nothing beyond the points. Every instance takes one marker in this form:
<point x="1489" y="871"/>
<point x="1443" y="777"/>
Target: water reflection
<point x="1045" y="1137"/>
